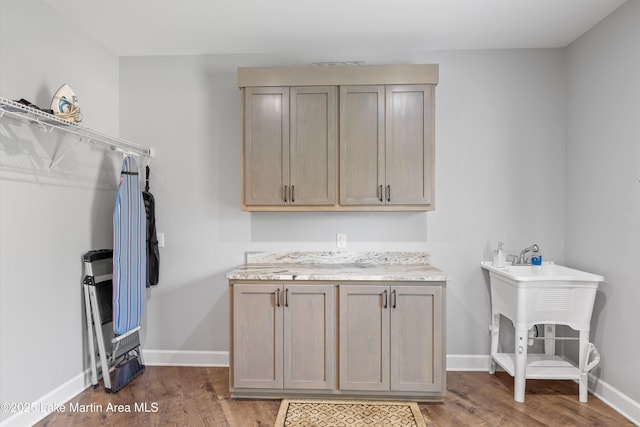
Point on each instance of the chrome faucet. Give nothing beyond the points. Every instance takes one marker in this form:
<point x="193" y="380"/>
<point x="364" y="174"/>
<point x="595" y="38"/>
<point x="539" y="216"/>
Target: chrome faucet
<point x="521" y="258"/>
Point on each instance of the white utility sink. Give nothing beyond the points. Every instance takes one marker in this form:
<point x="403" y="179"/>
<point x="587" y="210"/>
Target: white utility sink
<point x="549" y="295"/>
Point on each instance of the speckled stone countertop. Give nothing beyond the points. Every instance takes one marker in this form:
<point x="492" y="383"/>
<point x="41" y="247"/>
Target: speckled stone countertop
<point x="338" y="266"/>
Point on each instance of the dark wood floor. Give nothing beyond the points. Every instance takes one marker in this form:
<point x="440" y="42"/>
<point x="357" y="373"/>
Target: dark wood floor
<point x="184" y="396"/>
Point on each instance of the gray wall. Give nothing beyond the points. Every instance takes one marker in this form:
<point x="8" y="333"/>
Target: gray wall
<point x="603" y="185"/>
<point x="48" y="221"/>
<point x="501" y="175"/>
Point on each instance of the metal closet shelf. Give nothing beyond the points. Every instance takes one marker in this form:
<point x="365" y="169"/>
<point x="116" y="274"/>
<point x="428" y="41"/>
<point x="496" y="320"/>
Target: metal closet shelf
<point x="49" y="122"/>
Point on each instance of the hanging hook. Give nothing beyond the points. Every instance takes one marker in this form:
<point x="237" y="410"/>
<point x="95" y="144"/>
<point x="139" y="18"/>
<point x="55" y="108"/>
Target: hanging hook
<point x="146" y="185"/>
<point x="148" y="158"/>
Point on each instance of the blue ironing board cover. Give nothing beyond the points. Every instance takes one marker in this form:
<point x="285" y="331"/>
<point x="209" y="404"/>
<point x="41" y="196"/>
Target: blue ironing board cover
<point x="129" y="251"/>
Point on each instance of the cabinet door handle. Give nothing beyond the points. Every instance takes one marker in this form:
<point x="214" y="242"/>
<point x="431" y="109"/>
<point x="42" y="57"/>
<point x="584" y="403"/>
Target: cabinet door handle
<point x="380" y="193"/>
<point x="286" y="297"/>
<point x="385" y="299"/>
<point x="286" y="188"/>
<point x="394" y="299"/>
<point x="388" y="193"/>
<point x="278" y="297"/>
<point x="293" y="197"/>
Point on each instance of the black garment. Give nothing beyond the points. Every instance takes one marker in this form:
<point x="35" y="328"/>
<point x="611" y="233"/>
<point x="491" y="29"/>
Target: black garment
<point x="153" y="255"/>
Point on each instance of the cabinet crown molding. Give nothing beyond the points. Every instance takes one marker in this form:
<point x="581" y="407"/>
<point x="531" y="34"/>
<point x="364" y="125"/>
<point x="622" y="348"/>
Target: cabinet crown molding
<point x="338" y="75"/>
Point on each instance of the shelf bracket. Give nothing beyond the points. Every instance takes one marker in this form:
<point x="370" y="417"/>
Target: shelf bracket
<point x="45" y="128"/>
<point x="55" y="161"/>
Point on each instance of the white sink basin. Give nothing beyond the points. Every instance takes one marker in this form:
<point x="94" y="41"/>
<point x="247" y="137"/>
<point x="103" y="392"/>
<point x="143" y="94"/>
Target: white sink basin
<point x="541" y="273"/>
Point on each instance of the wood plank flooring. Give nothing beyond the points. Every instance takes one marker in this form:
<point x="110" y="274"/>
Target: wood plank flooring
<point x="194" y="396"/>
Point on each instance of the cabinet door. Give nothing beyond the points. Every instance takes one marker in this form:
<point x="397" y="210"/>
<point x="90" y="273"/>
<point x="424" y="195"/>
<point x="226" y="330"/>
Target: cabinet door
<point x="257" y="336"/>
<point x="417" y="344"/>
<point x="361" y="145"/>
<point x="266" y="145"/>
<point x="409" y="144"/>
<point x="364" y="337"/>
<point x="309" y="337"/>
<point x="313" y="145"/>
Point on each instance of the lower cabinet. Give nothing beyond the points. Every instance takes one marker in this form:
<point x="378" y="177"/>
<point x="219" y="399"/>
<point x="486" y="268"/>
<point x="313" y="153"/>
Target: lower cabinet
<point x="283" y="336"/>
<point x="337" y="339"/>
<point x="391" y="338"/>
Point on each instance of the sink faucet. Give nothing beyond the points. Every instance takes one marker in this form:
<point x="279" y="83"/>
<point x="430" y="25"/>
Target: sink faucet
<point x="521" y="258"/>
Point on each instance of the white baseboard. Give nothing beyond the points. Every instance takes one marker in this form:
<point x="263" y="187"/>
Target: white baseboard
<point x="185" y="358"/>
<point x="455" y="362"/>
<point x="53" y="401"/>
<point x="468" y="362"/>
<point x="614" y="398"/>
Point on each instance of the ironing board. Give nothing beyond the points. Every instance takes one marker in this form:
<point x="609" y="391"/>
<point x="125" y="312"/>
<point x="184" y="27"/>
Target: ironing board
<point x="129" y="251"/>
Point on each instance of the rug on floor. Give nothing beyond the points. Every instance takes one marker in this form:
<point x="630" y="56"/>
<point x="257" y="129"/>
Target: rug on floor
<point x="348" y="413"/>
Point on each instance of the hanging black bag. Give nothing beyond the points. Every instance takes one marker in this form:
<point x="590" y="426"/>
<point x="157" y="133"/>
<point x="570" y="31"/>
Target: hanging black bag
<point x="153" y="255"/>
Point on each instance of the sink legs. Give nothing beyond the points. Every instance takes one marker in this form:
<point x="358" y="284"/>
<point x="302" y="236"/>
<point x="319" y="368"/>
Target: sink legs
<point x="522" y="336"/>
<point x="520" y="362"/>
<point x="550" y="348"/>
<point x="584" y="342"/>
<point x="495" y="334"/>
<point x="520" y="374"/>
<point x="550" y="344"/>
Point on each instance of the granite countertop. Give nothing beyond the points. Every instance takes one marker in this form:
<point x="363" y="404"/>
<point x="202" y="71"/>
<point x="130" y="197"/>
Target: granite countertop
<point x="338" y="266"/>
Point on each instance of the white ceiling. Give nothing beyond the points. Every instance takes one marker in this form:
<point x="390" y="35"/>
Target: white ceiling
<point x="181" y="27"/>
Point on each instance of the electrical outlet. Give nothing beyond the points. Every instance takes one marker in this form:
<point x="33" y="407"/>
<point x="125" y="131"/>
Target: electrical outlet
<point x="341" y="240"/>
<point x="160" y="240"/>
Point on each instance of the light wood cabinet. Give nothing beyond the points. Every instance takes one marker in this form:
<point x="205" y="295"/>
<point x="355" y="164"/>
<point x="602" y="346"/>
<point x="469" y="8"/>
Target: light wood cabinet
<point x="391" y="338"/>
<point x="417" y="339"/>
<point x="283" y="336"/>
<point x="257" y="336"/>
<point x="362" y="155"/>
<point x="373" y="152"/>
<point x="290" y="150"/>
<point x="266" y="149"/>
<point x="364" y="337"/>
<point x="386" y="145"/>
<point x="345" y="338"/>
<point x="409" y="144"/>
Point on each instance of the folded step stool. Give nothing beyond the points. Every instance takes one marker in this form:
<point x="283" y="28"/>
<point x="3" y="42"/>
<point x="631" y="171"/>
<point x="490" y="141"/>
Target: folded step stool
<point x="118" y="353"/>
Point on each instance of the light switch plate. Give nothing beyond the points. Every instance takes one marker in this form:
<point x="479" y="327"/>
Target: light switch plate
<point x="341" y="240"/>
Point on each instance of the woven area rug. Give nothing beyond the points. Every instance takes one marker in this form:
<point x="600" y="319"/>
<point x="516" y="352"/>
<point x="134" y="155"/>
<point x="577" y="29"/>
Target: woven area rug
<point x="348" y="413"/>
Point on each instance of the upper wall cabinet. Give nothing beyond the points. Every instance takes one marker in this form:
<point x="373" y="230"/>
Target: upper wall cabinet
<point x="386" y="145"/>
<point x="382" y="160"/>
<point x="290" y="146"/>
